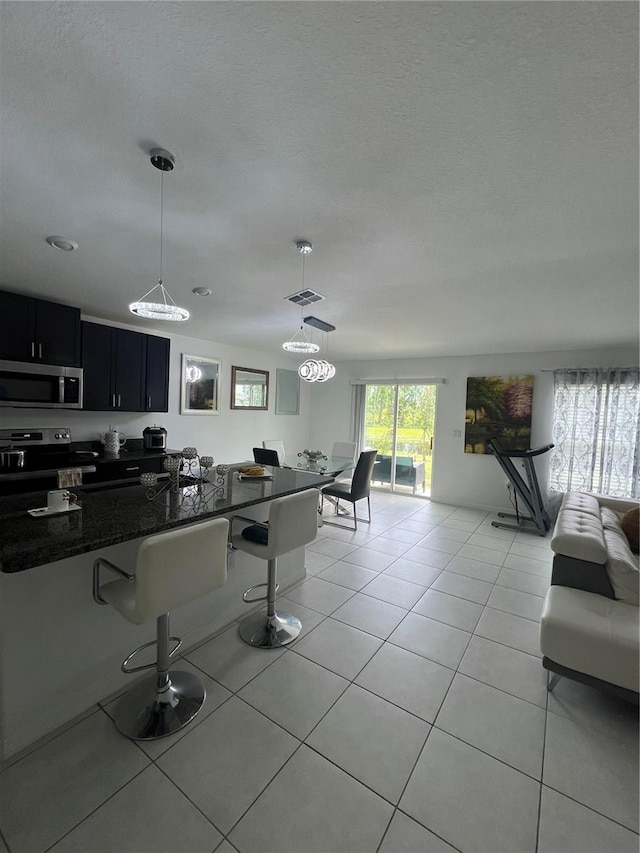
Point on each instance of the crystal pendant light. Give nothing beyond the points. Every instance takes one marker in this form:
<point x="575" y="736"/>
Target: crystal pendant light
<point x="167" y="308"/>
<point x="299" y="341"/>
<point x="316" y="370"/>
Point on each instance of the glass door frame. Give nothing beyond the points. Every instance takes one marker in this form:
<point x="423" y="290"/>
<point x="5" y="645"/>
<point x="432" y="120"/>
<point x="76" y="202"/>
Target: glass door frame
<point x="395" y="384"/>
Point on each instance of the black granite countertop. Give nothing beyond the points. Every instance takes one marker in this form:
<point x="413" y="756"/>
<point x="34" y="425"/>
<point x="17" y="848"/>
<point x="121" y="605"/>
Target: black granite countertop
<point x="116" y="514"/>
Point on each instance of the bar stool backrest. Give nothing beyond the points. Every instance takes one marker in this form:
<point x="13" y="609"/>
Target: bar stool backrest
<point x="179" y="566"/>
<point x="293" y="522"/>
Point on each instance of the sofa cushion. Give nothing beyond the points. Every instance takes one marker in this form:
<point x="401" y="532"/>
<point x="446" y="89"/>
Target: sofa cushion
<point x="582" y="502"/>
<point x="622" y="566"/>
<point x="631" y="527"/>
<point x="579" y="534"/>
<point x="591" y="634"/>
<point x="611" y="520"/>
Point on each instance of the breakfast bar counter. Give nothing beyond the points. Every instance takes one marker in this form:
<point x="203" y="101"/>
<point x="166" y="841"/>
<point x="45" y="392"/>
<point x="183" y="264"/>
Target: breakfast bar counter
<point x="113" y="514"/>
<point x="60" y="653"/>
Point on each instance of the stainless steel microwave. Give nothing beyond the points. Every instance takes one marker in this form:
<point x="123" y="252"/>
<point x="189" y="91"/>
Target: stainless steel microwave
<point x="40" y="386"/>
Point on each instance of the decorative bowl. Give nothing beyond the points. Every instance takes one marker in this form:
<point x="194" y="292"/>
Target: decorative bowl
<point x="313" y="455"/>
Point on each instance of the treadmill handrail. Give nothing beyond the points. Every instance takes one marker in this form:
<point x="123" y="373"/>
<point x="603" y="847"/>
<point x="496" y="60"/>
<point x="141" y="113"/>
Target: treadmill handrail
<point x="520" y="453"/>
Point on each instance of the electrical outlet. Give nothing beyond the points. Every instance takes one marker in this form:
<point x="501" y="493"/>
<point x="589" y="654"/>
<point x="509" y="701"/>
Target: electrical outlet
<point x="457" y="433"/>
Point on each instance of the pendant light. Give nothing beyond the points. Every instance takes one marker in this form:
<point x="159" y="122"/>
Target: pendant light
<point x="299" y="341"/>
<point x="316" y="369"/>
<point x="167" y="308"/>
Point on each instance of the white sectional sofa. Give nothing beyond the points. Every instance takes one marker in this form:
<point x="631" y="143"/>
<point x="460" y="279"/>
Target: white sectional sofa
<point x="590" y="625"/>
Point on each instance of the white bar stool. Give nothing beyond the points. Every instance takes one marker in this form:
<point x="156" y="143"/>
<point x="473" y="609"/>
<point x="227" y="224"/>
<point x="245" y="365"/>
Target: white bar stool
<point x="293" y="523"/>
<point x="172" y="569"/>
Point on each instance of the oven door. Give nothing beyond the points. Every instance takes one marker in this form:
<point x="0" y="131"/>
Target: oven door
<point x="40" y="386"/>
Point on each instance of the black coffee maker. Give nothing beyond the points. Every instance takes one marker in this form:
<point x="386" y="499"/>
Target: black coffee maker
<point x="154" y="438"/>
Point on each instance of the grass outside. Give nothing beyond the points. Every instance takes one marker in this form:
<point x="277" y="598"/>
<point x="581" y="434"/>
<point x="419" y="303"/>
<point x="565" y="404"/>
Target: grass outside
<point x="410" y="442"/>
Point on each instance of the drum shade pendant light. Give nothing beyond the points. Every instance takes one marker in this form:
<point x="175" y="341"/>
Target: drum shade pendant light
<point x="299" y="341"/>
<point x="167" y="308"/>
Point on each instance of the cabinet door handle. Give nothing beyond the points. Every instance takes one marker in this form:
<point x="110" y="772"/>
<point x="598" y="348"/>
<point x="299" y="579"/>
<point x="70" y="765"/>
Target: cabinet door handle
<point x="113" y="401"/>
<point x="39" y="350"/>
<point x="135" y="468"/>
<point x="119" y="400"/>
<point x="33" y="349"/>
<point x="149" y="401"/>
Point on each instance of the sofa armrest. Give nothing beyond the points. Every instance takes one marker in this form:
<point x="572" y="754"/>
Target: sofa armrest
<point x="581" y="574"/>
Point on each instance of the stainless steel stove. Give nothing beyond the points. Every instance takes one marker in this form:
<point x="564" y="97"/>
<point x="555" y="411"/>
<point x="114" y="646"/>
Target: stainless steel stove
<point x="47" y="451"/>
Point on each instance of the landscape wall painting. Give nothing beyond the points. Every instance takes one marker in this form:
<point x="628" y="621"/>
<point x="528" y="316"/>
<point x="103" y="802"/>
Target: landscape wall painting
<point x="500" y="406"/>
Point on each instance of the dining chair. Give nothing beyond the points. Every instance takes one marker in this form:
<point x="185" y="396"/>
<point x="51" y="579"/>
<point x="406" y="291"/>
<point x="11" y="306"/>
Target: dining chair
<point x="275" y="444"/>
<point x="356" y="490"/>
<point x="346" y="449"/>
<point x="266" y="457"/>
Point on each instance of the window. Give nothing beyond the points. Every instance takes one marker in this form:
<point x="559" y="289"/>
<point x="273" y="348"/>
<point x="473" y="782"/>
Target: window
<point x="596" y="429"/>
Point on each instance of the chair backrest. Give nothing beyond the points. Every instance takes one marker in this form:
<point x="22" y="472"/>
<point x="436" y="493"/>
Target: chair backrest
<point x="405" y="460"/>
<point x="346" y="449"/>
<point x="179" y="566"/>
<point x="361" y="481"/>
<point x="275" y="444"/>
<point x="266" y="457"/>
<point x="293" y="522"/>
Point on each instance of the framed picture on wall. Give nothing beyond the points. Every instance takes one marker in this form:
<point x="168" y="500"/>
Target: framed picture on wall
<point x="249" y="389"/>
<point x="498" y="406"/>
<point x="199" y="385"/>
<point x="287" y="392"/>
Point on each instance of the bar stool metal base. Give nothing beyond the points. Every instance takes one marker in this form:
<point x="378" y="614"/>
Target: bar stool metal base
<point x="270" y="632"/>
<point x="145" y="714"/>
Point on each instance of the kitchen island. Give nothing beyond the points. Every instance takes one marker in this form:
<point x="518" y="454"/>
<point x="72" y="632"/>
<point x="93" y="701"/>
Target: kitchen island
<point x="113" y="514"/>
<point x="60" y="652"/>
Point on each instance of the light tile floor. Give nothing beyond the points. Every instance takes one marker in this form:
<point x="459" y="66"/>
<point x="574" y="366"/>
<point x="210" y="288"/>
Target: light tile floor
<point x="411" y="715"/>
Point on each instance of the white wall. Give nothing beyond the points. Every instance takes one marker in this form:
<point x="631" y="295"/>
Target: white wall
<point x="458" y="477"/>
<point x="228" y="437"/>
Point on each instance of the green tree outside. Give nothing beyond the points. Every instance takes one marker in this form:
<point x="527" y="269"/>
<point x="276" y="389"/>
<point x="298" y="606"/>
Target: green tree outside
<point x="416" y="421"/>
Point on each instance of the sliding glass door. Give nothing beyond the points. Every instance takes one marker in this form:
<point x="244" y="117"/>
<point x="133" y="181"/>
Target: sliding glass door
<point x="400" y="424"/>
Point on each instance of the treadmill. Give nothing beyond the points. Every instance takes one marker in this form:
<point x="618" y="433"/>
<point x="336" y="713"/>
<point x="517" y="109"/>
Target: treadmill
<point x="537" y="521"/>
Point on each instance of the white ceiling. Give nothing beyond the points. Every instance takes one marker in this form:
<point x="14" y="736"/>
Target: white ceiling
<point x="467" y="172"/>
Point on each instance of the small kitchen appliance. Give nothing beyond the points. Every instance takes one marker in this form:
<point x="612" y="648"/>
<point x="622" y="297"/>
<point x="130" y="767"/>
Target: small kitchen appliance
<point x="43" y="386"/>
<point x="154" y="438"/>
<point x="112" y="440"/>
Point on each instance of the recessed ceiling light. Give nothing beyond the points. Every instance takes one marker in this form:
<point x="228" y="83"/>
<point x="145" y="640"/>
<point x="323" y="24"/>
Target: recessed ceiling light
<point x="202" y="291"/>
<point x="62" y="243"/>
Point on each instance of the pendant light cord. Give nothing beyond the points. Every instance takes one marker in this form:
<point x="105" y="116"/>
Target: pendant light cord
<point x="161" y="219"/>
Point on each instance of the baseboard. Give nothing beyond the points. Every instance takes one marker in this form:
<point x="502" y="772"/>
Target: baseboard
<point x="466" y="505"/>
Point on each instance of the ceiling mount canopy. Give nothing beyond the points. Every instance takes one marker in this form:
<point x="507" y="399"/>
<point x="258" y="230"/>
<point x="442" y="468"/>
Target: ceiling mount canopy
<point x="167" y="309"/>
<point x="299" y="341"/>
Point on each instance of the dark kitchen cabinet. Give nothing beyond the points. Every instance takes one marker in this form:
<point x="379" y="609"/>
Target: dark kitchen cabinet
<point x="156" y="396"/>
<point x="124" y="468"/>
<point x="124" y="371"/>
<point x="114" y="368"/>
<point x="39" y="331"/>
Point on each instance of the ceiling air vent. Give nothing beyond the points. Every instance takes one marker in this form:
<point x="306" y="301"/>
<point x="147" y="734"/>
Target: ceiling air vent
<point x="305" y="297"/>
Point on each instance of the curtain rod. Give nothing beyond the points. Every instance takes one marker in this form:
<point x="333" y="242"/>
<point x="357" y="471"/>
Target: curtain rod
<point x="429" y="380"/>
<point x="576" y="369"/>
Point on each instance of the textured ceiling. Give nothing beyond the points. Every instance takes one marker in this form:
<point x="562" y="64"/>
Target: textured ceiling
<point x="467" y="172"/>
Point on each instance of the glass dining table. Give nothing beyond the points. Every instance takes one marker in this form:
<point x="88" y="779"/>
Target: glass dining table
<point x="331" y="465"/>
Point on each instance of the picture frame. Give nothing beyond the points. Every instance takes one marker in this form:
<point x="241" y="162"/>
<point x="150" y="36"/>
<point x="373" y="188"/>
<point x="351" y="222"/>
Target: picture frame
<point x="200" y="385"/>
<point x="287" y="392"/>
<point x="249" y="389"/>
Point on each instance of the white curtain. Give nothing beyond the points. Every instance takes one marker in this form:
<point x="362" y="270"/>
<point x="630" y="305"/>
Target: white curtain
<point x="596" y="432"/>
<point x="358" y="415"/>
